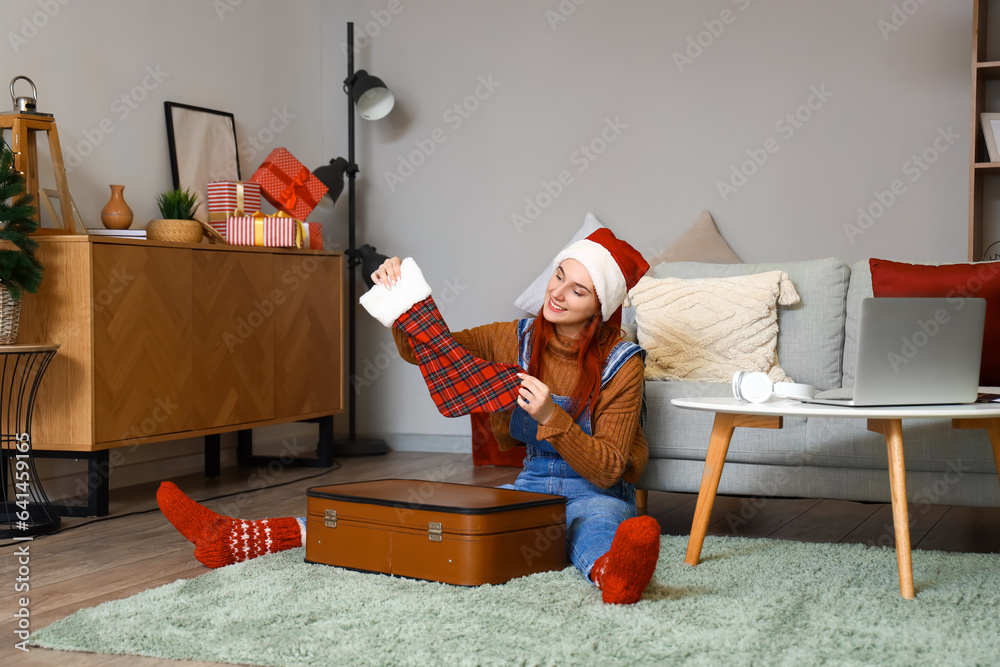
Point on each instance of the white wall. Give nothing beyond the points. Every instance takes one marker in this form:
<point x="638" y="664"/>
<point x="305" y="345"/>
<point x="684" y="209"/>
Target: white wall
<point x="887" y="95"/>
<point x="555" y="85"/>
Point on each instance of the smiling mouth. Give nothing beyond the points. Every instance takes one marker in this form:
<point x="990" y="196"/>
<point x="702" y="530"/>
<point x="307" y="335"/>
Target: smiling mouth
<point x="553" y="306"/>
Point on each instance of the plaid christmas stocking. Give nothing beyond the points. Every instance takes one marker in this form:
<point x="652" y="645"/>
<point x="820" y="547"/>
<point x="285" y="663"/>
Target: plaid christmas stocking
<point x="459" y="383"/>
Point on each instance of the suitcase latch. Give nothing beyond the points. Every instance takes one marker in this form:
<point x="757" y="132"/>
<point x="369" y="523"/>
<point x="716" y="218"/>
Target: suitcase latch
<point x="434" y="531"/>
<point x="330" y="519"/>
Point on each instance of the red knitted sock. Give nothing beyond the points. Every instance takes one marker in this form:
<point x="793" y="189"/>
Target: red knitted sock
<point x="188" y="517"/>
<point x="625" y="570"/>
<point x="458" y="382"/>
<point x="220" y="540"/>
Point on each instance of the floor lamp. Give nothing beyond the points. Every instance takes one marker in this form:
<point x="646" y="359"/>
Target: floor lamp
<point x="373" y="101"/>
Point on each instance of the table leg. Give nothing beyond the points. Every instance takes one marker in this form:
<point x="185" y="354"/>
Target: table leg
<point x="892" y="429"/>
<point x="718" y="447"/>
<point x="641" y="501"/>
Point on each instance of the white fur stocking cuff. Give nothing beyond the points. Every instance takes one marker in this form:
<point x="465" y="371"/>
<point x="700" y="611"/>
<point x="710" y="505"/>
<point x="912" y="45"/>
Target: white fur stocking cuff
<point x="386" y="305"/>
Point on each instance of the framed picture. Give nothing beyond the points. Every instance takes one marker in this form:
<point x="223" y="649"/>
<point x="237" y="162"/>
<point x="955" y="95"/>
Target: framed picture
<point x="53" y="207"/>
<point x="202" y="149"/>
<point x="991" y="132"/>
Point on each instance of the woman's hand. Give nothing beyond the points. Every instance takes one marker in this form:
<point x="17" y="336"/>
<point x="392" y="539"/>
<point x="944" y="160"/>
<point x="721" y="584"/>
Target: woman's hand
<point x="387" y="274"/>
<point x="535" y="398"/>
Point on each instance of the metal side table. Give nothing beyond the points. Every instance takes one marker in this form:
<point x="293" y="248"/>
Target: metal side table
<point x="26" y="509"/>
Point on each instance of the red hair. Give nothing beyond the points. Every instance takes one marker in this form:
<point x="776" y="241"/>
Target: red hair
<point x="594" y="344"/>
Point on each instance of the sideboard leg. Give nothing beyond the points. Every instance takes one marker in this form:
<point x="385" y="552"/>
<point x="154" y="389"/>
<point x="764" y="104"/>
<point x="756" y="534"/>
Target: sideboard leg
<point x="99" y="483"/>
<point x="213" y="456"/>
<point x="324" y="448"/>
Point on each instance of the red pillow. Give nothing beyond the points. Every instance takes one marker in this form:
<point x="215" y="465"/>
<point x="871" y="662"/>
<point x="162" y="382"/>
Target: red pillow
<point x="981" y="279"/>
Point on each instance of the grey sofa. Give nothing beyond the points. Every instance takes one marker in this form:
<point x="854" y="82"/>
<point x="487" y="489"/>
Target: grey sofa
<point x="814" y="457"/>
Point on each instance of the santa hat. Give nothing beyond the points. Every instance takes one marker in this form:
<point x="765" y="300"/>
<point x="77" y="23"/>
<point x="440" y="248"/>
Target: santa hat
<point x="614" y="267"/>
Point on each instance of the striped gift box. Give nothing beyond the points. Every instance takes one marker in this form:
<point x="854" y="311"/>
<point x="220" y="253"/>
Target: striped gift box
<point x="231" y="199"/>
<point x="274" y="231"/>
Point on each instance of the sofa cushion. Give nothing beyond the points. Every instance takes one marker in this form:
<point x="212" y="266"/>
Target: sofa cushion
<point x="701" y="243"/>
<point x="859" y="289"/>
<point x="980" y="279"/>
<point x="810" y="333"/>
<point x="706" y="329"/>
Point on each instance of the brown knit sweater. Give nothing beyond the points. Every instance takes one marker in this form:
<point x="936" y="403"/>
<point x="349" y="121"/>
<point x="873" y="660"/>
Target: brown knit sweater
<point x="617" y="447"/>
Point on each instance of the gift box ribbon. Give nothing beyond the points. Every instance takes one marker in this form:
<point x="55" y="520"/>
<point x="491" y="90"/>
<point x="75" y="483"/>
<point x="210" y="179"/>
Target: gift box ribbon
<point x="294" y="187"/>
<point x="258" y="227"/>
<point x="220" y="216"/>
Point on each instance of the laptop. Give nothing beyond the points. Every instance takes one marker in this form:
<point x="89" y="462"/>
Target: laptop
<point x="915" y="351"/>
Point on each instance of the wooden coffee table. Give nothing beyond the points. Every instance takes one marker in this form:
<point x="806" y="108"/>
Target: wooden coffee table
<point x="731" y="413"/>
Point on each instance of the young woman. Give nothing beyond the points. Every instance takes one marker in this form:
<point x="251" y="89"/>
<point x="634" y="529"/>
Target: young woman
<point x="578" y="411"/>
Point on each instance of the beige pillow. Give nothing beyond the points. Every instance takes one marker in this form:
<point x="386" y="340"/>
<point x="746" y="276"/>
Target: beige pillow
<point x="706" y="329"/>
<point x="701" y="243"/>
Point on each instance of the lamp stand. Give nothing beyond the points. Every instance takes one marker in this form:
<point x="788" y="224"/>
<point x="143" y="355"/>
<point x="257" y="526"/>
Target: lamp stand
<point x="353" y="445"/>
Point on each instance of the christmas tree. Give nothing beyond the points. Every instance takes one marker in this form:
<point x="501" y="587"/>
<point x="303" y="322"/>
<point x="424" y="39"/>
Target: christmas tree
<point x="19" y="269"/>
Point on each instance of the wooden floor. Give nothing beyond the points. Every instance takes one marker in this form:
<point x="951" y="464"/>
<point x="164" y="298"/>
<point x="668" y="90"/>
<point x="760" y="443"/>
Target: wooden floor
<point x="91" y="561"/>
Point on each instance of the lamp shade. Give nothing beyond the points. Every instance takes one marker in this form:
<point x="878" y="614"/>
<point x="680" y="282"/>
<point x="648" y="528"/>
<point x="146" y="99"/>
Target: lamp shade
<point x="372" y="98"/>
<point x="332" y="176"/>
<point x="370" y="261"/>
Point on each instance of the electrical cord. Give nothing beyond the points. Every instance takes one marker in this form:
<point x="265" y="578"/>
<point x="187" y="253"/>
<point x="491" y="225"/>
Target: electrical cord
<point x="336" y="466"/>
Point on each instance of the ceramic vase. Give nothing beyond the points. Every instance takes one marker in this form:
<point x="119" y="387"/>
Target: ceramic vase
<point x="116" y="214"/>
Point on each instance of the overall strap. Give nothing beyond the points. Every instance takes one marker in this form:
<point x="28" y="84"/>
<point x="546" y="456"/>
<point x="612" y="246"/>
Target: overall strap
<point x="621" y="353"/>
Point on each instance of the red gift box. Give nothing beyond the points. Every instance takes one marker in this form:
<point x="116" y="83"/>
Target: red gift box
<point x="272" y="231"/>
<point x="288" y="185"/>
<point x="313" y="232"/>
<point x="231" y="199"/>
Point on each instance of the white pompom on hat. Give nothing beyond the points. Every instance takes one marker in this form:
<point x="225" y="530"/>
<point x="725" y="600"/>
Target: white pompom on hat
<point x="614" y="267"/>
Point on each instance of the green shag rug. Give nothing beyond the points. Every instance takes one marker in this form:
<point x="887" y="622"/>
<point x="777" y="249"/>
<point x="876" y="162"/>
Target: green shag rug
<point x="750" y="601"/>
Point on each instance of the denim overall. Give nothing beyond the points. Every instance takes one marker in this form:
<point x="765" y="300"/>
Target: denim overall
<point x="592" y="513"/>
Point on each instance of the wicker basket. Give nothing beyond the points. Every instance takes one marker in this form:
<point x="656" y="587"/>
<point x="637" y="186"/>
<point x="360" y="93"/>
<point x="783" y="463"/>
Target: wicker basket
<point x="174" y="231"/>
<point x="10" y="317"/>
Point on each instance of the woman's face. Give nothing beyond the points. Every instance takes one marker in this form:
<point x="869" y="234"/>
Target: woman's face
<point x="570" y="298"/>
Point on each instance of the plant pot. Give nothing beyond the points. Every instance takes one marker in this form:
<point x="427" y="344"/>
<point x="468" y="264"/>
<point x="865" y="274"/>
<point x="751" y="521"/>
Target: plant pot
<point x="116" y="214"/>
<point x="174" y="231"/>
<point x="10" y="317"/>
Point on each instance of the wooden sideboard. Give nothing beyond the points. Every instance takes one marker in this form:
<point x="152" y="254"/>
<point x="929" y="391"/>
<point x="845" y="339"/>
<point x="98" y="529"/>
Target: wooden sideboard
<point x="162" y="341"/>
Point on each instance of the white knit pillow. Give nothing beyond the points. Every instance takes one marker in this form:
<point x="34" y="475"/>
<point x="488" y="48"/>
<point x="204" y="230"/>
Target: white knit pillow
<point x="706" y="329"/>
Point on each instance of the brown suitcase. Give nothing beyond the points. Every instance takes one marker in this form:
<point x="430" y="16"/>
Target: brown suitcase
<point x="453" y="533"/>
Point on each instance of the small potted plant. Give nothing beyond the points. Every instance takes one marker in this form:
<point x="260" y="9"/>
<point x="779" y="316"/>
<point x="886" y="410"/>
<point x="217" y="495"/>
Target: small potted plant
<point x="20" y="270"/>
<point x="177" y="224"/>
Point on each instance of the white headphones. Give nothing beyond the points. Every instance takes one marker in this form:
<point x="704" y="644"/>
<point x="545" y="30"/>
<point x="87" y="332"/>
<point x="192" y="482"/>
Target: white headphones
<point x="756" y="387"/>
